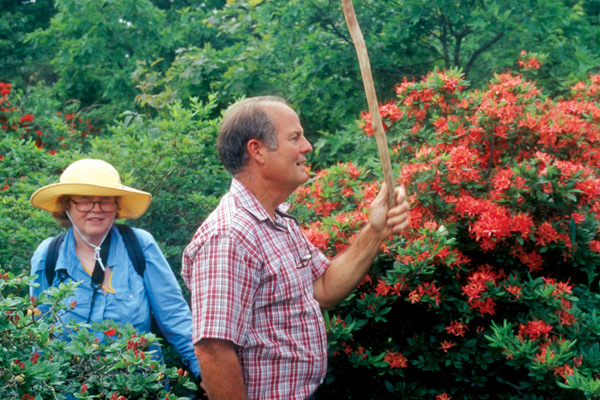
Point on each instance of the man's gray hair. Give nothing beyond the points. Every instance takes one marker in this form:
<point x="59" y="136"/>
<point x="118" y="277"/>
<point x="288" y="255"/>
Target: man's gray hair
<point x="242" y="122"/>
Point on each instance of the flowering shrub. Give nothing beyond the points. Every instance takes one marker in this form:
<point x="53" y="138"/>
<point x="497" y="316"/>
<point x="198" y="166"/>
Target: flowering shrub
<point x="492" y="292"/>
<point x="37" y="363"/>
<point x="69" y="129"/>
<point x="35" y="146"/>
<point x="122" y="372"/>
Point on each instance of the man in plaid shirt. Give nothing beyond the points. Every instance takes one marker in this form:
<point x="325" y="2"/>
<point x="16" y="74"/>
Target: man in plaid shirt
<point x="257" y="284"/>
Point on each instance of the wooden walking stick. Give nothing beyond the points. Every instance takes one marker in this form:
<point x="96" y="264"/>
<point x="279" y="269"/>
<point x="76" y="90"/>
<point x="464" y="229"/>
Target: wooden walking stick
<point x="367" y="77"/>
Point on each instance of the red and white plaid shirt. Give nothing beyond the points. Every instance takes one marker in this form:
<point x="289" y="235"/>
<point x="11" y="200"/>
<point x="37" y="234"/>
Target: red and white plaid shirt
<point x="251" y="283"/>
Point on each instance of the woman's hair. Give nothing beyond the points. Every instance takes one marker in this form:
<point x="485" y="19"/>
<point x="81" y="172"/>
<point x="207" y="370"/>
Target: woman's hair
<point x="63" y="205"/>
<point x="242" y="122"/>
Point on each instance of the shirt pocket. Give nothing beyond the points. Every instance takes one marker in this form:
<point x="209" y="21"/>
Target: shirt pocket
<point x="130" y="305"/>
<point x="290" y="281"/>
<point x="78" y="305"/>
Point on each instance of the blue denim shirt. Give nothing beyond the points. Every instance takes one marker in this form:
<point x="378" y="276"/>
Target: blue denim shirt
<point x="133" y="296"/>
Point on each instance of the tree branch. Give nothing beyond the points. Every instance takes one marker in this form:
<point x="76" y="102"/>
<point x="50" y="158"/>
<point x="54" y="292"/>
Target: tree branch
<point x="480" y="50"/>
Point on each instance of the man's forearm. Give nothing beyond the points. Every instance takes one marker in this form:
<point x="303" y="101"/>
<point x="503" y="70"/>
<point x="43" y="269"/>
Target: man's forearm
<point x="348" y="269"/>
<point x="222" y="377"/>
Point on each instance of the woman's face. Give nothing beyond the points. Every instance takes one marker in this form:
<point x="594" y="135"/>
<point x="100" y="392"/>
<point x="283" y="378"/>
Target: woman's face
<point x="93" y="215"/>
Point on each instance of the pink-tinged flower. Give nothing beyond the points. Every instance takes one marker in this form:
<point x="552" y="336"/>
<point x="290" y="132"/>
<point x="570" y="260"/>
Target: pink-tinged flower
<point x="395" y="360"/>
<point x="110" y="333"/>
<point x="391" y="111"/>
<point x="353" y="171"/>
<point x="595" y="246"/>
<point x="564" y="371"/>
<point x="443" y="396"/>
<point x="484" y="307"/>
<point x="73" y="304"/>
<point x="514" y="290"/>
<point x="446" y="345"/>
<point x="457" y="328"/>
<point x="317" y="235"/>
<point x="578" y="218"/>
<point x="84" y="389"/>
<point x="565" y="318"/>
<point x="414" y="297"/>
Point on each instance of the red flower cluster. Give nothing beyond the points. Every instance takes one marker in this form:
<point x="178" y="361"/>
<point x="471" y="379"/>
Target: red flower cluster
<point x="395" y="360"/>
<point x="25" y="126"/>
<point x="504" y="187"/>
<point x="528" y="62"/>
<point x="535" y="330"/>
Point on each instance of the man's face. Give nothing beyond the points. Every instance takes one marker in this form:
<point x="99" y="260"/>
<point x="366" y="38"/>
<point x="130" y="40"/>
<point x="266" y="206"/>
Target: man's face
<point x="285" y="165"/>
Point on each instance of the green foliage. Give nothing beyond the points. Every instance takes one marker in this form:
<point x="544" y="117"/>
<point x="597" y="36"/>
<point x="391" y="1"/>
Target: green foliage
<point x="94" y="46"/>
<point x="19" y="63"/>
<point x="40" y="360"/>
<point x="302" y="50"/>
<point x="88" y="51"/>
<point x="173" y="157"/>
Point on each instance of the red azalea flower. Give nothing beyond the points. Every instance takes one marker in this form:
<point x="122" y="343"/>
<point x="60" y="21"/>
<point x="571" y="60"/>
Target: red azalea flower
<point x="26" y="118"/>
<point x="34" y="358"/>
<point x="395" y="360"/>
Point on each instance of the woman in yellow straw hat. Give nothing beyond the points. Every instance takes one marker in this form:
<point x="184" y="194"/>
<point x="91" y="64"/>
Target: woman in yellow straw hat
<point x="87" y="200"/>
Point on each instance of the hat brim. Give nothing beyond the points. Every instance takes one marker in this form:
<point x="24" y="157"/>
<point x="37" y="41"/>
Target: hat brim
<point x="133" y="202"/>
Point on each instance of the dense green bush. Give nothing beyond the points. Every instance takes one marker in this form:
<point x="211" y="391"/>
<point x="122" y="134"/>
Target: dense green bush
<point x="172" y="156"/>
<point x="36" y="362"/>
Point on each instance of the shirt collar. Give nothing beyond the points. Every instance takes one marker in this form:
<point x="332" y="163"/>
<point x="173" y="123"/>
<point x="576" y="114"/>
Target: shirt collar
<point x="248" y="201"/>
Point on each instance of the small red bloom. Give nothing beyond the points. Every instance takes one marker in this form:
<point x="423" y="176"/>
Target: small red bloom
<point x="457" y="328"/>
<point x="26" y="118"/>
<point x="34" y="358"/>
<point x="446" y="345"/>
<point x="395" y="360"/>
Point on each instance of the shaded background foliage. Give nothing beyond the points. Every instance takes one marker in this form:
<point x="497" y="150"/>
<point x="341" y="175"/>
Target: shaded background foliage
<point x="87" y="51"/>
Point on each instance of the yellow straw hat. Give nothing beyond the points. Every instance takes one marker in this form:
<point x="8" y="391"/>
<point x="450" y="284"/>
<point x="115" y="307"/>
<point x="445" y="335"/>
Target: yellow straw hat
<point x="92" y="178"/>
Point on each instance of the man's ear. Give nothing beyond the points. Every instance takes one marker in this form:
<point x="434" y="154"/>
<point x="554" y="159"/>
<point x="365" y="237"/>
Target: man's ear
<point x="256" y="150"/>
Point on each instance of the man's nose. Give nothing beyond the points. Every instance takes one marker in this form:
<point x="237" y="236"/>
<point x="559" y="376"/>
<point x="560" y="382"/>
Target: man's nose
<point x="306" y="146"/>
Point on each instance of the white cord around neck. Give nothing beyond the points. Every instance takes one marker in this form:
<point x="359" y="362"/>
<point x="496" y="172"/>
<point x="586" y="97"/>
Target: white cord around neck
<point x="97" y="256"/>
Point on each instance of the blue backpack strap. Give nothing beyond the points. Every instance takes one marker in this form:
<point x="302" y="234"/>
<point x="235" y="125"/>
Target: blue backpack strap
<point x="52" y="256"/>
<point x="134" y="250"/>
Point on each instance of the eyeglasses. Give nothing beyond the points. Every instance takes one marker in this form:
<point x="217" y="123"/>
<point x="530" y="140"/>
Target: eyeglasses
<point x="303" y="261"/>
<point x="87" y="206"/>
